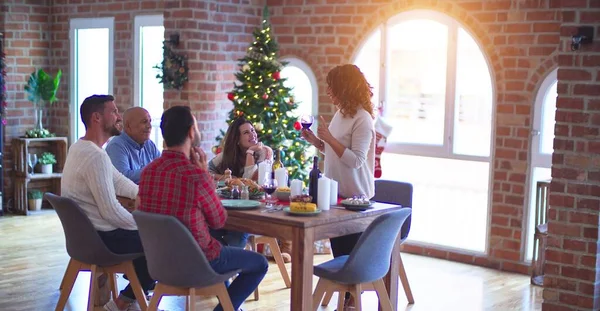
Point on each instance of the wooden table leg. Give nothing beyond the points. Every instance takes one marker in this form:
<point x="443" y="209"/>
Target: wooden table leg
<point x="391" y="279"/>
<point x="302" y="269"/>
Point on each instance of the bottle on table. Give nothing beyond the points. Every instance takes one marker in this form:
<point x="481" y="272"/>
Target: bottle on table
<point x="313" y="180"/>
<point x="245" y="194"/>
<point x="235" y="192"/>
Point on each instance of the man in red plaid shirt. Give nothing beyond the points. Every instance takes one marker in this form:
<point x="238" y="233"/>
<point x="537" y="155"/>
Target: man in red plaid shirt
<point x="178" y="184"/>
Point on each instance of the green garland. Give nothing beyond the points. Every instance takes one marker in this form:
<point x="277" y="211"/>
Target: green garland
<point x="173" y="69"/>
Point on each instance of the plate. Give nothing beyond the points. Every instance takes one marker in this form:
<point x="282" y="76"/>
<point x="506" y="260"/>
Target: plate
<point x="240" y="204"/>
<point x="356" y="207"/>
<point x="287" y="210"/>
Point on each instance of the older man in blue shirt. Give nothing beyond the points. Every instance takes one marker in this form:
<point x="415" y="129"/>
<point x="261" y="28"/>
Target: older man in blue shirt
<point x="131" y="151"/>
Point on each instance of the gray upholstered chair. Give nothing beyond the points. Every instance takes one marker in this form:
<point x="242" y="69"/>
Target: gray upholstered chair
<point x="366" y="265"/>
<point x="401" y="193"/>
<point x="89" y="253"/>
<point x="177" y="263"/>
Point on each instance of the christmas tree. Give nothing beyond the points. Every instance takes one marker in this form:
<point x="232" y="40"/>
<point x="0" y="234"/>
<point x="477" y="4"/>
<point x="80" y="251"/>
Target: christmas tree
<point x="259" y="95"/>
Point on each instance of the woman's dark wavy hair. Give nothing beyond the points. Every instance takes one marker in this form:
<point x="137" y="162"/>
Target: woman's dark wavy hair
<point x="233" y="157"/>
<point x="351" y="90"/>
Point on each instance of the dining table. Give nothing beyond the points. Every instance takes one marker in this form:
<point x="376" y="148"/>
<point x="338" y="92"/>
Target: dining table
<point x="303" y="231"/>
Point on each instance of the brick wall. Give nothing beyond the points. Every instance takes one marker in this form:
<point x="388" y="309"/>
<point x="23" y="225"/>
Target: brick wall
<point x="26" y="26"/>
<point x="520" y="40"/>
<point x="214" y="35"/>
<point x="572" y="271"/>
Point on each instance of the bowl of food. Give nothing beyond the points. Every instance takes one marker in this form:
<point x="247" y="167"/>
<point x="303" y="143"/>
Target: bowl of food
<point x="283" y="193"/>
<point x="301" y="198"/>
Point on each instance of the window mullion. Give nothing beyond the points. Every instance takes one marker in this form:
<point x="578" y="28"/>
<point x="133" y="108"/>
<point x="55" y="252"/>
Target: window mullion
<point x="450" y="116"/>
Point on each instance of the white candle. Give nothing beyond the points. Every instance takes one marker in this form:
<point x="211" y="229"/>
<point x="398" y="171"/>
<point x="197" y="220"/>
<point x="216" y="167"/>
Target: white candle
<point x="324" y="192"/>
<point x="295" y="187"/>
<point x="333" y="194"/>
<point x="263" y="170"/>
<point x="281" y="177"/>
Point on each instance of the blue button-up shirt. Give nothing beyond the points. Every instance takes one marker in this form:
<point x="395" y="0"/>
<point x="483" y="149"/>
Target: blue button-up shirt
<point x="129" y="157"/>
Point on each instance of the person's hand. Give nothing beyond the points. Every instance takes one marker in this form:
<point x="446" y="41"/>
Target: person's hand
<point x="256" y="147"/>
<point x="310" y="137"/>
<point x="198" y="158"/>
<point x="323" y="130"/>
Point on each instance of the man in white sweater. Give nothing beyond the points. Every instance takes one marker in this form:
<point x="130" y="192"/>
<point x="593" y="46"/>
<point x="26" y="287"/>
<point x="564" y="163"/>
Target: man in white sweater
<point x="93" y="182"/>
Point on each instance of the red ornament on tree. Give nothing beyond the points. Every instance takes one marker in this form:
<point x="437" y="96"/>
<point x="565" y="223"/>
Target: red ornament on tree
<point x="265" y="96"/>
<point x="230" y="96"/>
<point x="276" y="75"/>
<point x="219" y="150"/>
<point x="297" y="126"/>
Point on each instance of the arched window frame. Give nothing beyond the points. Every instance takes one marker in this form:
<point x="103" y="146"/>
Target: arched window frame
<point x="296" y="62"/>
<point x="446" y="150"/>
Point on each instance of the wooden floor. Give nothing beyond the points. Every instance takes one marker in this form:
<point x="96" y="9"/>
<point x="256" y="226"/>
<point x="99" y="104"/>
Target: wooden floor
<point x="33" y="260"/>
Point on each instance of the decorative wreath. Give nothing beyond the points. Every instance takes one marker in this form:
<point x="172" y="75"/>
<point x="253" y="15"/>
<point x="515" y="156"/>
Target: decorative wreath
<point x="173" y="69"/>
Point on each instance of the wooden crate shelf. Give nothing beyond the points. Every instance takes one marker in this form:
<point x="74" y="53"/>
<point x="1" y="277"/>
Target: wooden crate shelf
<point x="22" y="147"/>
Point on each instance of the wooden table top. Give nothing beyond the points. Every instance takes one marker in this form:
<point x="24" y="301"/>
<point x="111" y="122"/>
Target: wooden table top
<point x="333" y="215"/>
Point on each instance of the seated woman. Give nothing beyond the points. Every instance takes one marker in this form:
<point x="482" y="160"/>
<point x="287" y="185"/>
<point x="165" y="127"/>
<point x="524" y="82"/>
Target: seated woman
<point x="241" y="154"/>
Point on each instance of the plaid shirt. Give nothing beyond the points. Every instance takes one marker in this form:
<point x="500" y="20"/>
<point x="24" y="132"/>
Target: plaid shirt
<point x="172" y="185"/>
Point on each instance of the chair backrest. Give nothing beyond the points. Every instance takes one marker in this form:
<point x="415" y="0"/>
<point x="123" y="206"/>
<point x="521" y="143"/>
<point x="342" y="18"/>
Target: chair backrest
<point x="395" y="192"/>
<point x="173" y="255"/>
<point x="82" y="240"/>
<point x="370" y="258"/>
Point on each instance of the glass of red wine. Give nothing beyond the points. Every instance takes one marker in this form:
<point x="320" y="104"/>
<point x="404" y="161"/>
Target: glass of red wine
<point x="306" y="121"/>
<point x="269" y="186"/>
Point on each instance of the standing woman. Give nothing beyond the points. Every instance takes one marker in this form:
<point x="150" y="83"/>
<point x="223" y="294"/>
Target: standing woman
<point x="349" y="142"/>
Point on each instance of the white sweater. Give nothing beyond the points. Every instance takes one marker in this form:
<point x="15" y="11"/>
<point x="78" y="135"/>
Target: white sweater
<point x="354" y="171"/>
<point x="93" y="182"/>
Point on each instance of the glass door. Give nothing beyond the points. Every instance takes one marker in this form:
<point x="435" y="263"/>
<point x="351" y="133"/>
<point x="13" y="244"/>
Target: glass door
<point x="541" y="147"/>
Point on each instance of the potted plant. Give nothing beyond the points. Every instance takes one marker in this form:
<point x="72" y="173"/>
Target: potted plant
<point x="42" y="88"/>
<point x="34" y="198"/>
<point x="46" y="161"/>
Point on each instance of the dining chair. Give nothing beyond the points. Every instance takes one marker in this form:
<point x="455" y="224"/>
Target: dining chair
<point x="89" y="253"/>
<point x="177" y="263"/>
<point x="254" y="240"/>
<point x="366" y="266"/>
<point x="401" y="193"/>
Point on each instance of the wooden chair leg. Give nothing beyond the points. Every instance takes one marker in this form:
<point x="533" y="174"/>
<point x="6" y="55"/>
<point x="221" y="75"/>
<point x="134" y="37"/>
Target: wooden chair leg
<point x="62" y="283"/>
<point x="384" y="298"/>
<point x="253" y="246"/>
<point x="224" y="298"/>
<point x="327" y="299"/>
<point x="404" y="280"/>
<point x="357" y="294"/>
<point x="156" y="297"/>
<point x="67" y="283"/>
<point x="136" y="286"/>
<point x="93" y="287"/>
<point x="112" y="278"/>
<point x="192" y="300"/>
<point x="318" y="294"/>
<point x="279" y="260"/>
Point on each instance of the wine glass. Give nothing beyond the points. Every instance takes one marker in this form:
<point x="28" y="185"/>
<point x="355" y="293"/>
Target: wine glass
<point x="269" y="186"/>
<point x="32" y="161"/>
<point x="306" y="121"/>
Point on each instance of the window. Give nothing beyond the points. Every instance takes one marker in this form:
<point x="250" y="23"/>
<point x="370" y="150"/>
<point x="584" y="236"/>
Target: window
<point x="435" y="86"/>
<point x="541" y="147"/>
<point x="148" y="49"/>
<point x="92" y="64"/>
<point x="303" y="83"/>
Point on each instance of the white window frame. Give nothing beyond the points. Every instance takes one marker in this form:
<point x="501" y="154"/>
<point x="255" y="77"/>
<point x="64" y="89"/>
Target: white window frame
<point x="536" y="159"/>
<point x="141" y="21"/>
<point x="445" y="151"/>
<point x="296" y="62"/>
<point x="87" y="23"/>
